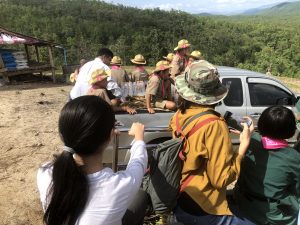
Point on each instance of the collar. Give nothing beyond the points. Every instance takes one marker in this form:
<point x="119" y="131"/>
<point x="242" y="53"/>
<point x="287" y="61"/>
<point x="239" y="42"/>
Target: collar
<point x="140" y="68"/>
<point x="115" y="67"/>
<point x="270" y="144"/>
<point x="98" y="59"/>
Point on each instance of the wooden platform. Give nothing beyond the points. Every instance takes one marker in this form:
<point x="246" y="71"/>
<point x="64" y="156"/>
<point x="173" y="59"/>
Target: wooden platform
<point x="31" y="69"/>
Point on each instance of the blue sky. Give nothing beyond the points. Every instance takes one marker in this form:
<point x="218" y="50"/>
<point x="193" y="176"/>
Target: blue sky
<point x="198" y="6"/>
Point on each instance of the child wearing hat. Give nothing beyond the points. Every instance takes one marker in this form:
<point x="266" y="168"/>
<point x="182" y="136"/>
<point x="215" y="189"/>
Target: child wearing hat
<point x="98" y="84"/>
<point x="139" y="73"/>
<point x="158" y="91"/>
<point x="169" y="57"/>
<point x="118" y="74"/>
<point x="73" y="76"/>
<point x="209" y="156"/>
<point x="194" y="56"/>
<point x="180" y="59"/>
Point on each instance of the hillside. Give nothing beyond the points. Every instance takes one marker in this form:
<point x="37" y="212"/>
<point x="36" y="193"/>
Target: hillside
<point x="82" y="26"/>
<point x="283" y="9"/>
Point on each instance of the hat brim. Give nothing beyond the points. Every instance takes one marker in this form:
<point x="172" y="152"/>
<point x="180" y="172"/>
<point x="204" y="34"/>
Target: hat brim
<point x="113" y="63"/>
<point x="177" y="48"/>
<point x="190" y="95"/>
<point x="72" y="77"/>
<point x="165" y="68"/>
<point x="95" y="81"/>
<point x="136" y="62"/>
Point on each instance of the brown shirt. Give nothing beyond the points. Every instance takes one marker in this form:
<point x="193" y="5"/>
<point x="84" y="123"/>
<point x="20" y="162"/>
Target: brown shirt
<point x="138" y="75"/>
<point x="158" y="88"/>
<point x="178" y="65"/>
<point x="211" y="157"/>
<point x="120" y="76"/>
<point x="100" y="93"/>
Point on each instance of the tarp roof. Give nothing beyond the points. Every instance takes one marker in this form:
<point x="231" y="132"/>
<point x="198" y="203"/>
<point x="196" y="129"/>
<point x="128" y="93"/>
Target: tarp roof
<point x="9" y="37"/>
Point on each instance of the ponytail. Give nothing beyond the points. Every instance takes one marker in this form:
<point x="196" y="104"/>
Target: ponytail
<point x="69" y="194"/>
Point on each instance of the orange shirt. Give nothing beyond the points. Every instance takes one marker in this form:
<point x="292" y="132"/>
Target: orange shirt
<point x="211" y="158"/>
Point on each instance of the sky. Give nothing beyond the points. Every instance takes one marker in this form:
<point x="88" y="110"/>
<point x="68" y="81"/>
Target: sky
<point x="199" y="6"/>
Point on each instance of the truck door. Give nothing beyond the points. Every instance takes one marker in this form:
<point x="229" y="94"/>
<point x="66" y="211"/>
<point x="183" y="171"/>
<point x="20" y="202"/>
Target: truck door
<point x="235" y="101"/>
<point x="264" y="92"/>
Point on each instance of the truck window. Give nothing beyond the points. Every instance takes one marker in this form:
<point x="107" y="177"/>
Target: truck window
<point x="267" y="94"/>
<point x="235" y="93"/>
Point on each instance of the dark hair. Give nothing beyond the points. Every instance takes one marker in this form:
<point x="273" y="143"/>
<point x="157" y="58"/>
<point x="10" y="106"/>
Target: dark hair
<point x="106" y="52"/>
<point x="277" y="122"/>
<point x="183" y="104"/>
<point x="85" y="124"/>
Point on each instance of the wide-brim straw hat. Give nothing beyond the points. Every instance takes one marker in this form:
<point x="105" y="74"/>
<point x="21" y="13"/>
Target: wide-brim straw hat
<point x="201" y="84"/>
<point x="138" y="59"/>
<point x="182" y="44"/>
<point x="99" y="75"/>
<point x="169" y="57"/>
<point x="196" y="55"/>
<point x="161" y="66"/>
<point x="116" y="60"/>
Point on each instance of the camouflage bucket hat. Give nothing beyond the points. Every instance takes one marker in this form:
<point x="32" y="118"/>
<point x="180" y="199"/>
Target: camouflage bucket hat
<point x="201" y="84"/>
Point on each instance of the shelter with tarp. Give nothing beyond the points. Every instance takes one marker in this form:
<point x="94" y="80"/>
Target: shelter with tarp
<point x="14" y="62"/>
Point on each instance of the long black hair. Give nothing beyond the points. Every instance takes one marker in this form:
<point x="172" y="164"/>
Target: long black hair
<point x="85" y="124"/>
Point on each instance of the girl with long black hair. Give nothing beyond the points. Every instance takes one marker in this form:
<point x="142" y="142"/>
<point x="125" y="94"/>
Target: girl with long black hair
<point x="75" y="188"/>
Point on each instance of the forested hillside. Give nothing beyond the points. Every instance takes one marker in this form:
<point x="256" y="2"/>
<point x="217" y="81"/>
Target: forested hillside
<point x="82" y="26"/>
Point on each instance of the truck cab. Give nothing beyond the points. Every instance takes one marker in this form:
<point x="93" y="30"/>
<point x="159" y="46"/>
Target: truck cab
<point x="249" y="94"/>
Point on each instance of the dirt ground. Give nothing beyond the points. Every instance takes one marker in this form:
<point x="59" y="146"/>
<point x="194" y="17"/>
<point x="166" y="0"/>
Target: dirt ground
<point x="29" y="137"/>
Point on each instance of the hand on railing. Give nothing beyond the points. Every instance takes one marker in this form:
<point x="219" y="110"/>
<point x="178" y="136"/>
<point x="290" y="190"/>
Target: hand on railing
<point x="137" y="130"/>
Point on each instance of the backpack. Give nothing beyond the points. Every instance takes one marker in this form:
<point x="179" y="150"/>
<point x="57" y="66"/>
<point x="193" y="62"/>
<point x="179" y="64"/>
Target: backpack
<point x="162" y="182"/>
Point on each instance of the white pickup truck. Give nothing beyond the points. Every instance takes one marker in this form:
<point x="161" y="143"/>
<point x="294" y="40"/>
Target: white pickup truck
<point x="249" y="94"/>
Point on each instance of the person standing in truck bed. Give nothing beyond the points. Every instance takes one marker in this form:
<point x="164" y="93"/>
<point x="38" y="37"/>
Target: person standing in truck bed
<point x="139" y="73"/>
<point x="180" y="59"/>
<point x="118" y="74"/>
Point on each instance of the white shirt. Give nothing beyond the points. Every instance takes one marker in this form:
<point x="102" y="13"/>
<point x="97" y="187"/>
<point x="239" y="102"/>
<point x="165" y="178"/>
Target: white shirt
<point x="110" y="193"/>
<point x="81" y="86"/>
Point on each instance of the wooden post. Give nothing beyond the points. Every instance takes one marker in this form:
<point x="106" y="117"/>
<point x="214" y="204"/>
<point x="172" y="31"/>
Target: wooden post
<point x="1" y="63"/>
<point x="52" y="63"/>
<point x="38" y="57"/>
<point x="2" y="71"/>
<point x="27" y="52"/>
<point x="37" y="53"/>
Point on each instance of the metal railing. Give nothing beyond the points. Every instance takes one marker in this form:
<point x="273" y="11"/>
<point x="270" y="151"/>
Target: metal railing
<point x="116" y="146"/>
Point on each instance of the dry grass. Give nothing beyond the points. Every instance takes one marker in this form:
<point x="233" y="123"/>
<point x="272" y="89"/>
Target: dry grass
<point x="292" y="83"/>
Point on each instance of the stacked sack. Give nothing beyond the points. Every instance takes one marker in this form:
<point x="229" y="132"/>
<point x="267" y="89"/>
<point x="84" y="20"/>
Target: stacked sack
<point x="21" y="60"/>
<point x="13" y="60"/>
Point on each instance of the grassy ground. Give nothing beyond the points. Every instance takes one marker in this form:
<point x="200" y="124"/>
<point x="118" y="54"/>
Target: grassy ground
<point x="292" y="83"/>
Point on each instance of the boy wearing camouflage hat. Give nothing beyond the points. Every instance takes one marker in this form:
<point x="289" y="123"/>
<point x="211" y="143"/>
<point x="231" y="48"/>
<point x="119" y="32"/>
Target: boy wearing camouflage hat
<point x="210" y="163"/>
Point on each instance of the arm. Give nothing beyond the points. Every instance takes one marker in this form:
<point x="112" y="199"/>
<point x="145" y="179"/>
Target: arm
<point x="124" y="108"/>
<point x="148" y="103"/>
<point x="175" y="67"/>
<point x="223" y="165"/>
<point x="151" y="90"/>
